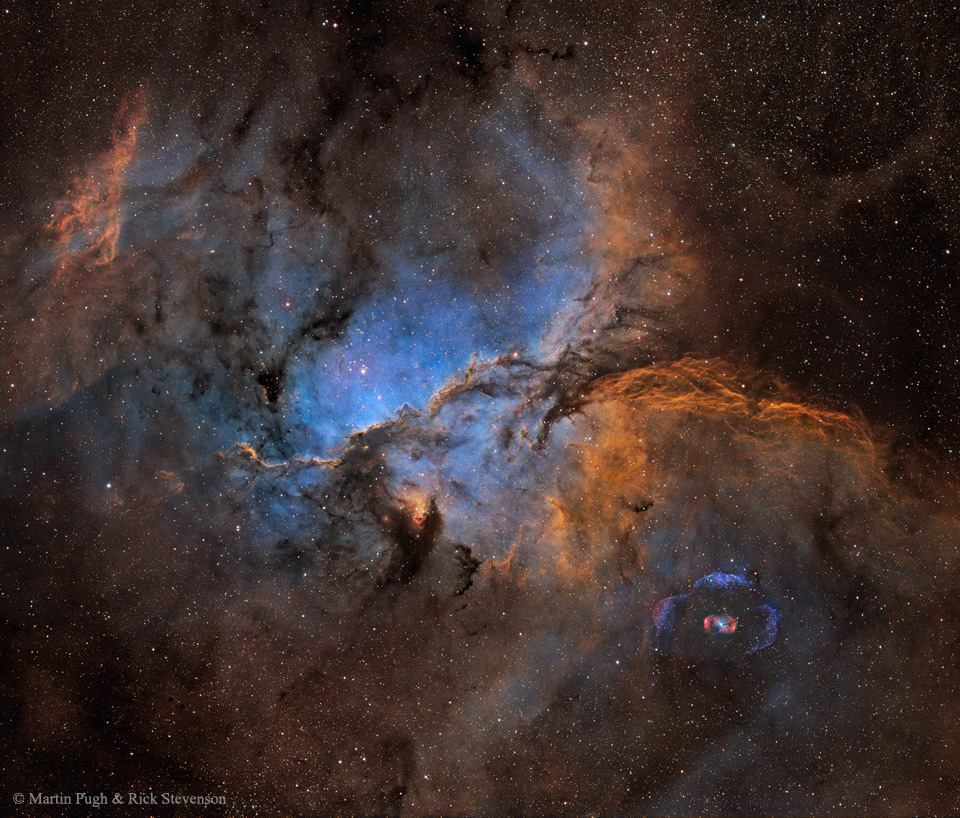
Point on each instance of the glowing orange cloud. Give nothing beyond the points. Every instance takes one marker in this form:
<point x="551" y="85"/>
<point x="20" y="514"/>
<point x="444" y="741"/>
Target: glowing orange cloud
<point x="82" y="308"/>
<point x="87" y="222"/>
<point x="689" y="442"/>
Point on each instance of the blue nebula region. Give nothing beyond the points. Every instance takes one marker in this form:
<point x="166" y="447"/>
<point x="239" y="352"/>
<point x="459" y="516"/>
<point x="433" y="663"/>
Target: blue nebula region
<point x="724" y="617"/>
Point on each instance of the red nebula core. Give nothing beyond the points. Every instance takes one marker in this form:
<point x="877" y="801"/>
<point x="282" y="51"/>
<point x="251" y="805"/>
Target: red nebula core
<point x="720" y="623"/>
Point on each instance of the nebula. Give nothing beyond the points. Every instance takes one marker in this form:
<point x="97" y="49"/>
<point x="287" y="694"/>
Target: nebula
<point x="481" y="408"/>
<point x="721" y="618"/>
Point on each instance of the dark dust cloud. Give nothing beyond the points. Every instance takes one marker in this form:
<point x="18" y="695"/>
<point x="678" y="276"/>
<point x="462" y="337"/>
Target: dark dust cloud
<point x="372" y="370"/>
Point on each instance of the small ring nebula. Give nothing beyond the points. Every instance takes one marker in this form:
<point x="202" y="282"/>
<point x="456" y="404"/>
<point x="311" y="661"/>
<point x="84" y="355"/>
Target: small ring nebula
<point x="723" y="617"/>
<point x="720" y="623"/>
